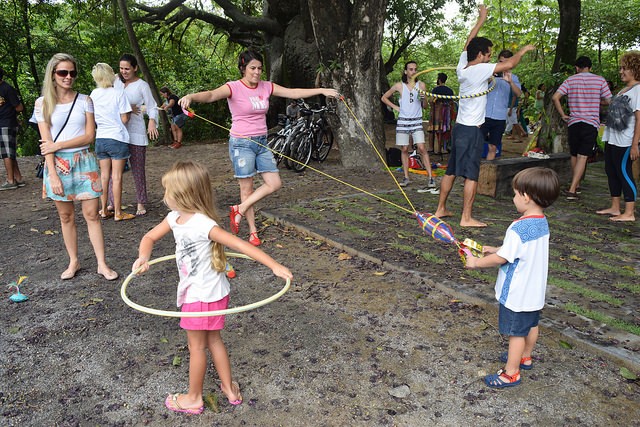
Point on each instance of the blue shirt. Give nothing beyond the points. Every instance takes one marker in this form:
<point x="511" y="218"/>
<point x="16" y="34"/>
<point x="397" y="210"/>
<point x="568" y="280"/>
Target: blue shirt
<point x="498" y="99"/>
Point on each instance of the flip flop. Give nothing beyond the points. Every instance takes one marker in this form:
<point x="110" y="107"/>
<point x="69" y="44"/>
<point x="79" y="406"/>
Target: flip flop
<point x="171" y="402"/>
<point x="234" y="385"/>
<point x="141" y="212"/>
<point x="123" y="217"/>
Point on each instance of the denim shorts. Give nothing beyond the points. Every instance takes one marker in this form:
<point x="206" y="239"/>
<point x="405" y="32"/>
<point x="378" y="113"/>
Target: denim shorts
<point x="466" y="152"/>
<point x="180" y="120"/>
<point x="107" y="148"/>
<point x="250" y="156"/>
<point x="517" y="324"/>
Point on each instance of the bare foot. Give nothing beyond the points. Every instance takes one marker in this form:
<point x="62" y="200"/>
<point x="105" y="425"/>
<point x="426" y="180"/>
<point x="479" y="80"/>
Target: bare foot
<point x="609" y="211"/>
<point x="623" y="217"/>
<point x="443" y="213"/>
<point x="234" y="396"/>
<point x="70" y="272"/>
<point x="472" y="223"/>
<point x="107" y="273"/>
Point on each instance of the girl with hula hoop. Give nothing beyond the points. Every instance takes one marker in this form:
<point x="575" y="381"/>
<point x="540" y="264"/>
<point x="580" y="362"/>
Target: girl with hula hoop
<point x="203" y="286"/>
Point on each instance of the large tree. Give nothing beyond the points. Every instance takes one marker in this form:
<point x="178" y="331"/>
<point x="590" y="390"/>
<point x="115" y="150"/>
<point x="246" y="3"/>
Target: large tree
<point x="334" y="43"/>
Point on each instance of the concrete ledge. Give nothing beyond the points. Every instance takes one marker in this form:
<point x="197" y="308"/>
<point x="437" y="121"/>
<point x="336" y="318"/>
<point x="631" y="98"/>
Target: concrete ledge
<point x="496" y="175"/>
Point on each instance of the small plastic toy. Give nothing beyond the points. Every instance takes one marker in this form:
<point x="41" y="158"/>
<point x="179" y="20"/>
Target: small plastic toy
<point x="231" y="273"/>
<point x="18" y="296"/>
<point x="440" y="230"/>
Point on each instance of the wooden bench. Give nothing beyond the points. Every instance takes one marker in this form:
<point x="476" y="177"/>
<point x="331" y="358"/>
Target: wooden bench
<point x="496" y="175"/>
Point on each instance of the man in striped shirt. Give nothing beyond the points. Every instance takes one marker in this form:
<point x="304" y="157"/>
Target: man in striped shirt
<point x="585" y="92"/>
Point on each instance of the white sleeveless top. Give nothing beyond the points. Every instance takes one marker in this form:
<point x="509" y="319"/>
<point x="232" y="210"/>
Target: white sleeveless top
<point x="410" y="117"/>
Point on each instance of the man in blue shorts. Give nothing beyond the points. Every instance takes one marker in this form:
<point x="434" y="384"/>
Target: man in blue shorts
<point x="474" y="72"/>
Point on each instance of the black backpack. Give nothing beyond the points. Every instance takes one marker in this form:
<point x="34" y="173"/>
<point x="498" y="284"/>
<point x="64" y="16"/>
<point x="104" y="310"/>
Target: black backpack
<point x="394" y="158"/>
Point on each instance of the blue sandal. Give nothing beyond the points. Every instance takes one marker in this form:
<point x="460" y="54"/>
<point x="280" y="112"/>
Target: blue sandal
<point x="502" y="380"/>
<point x="505" y="355"/>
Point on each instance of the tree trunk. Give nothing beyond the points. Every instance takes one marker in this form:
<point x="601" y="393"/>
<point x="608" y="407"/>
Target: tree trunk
<point x="354" y="43"/>
<point x="553" y="133"/>
<point x="135" y="46"/>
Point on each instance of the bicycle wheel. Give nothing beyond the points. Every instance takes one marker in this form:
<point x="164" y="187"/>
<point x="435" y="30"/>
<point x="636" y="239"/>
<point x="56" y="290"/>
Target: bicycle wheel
<point x="324" y="143"/>
<point x="301" y="151"/>
<point x="277" y="145"/>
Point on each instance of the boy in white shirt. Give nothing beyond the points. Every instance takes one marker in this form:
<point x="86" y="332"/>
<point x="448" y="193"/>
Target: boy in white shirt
<point x="523" y="259"/>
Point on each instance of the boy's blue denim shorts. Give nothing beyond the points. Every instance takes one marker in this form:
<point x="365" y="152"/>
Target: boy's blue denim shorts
<point x="107" y="148"/>
<point x="517" y="324"/>
<point x="249" y="157"/>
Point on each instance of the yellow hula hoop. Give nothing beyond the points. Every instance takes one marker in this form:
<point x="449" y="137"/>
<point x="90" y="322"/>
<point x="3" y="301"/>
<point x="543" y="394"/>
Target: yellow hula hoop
<point x="435" y="95"/>
<point x="240" y="309"/>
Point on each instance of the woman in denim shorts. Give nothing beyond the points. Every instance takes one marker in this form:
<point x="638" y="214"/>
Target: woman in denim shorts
<point x="248" y="100"/>
<point x="112" y="111"/>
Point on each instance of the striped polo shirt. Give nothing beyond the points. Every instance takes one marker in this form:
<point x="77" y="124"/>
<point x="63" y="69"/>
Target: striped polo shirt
<point x="584" y="91"/>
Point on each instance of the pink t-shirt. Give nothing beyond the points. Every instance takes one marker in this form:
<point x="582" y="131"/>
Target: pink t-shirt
<point x="249" y="108"/>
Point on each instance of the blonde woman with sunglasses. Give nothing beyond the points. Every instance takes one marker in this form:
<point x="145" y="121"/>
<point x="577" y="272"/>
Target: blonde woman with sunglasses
<point x="67" y="127"/>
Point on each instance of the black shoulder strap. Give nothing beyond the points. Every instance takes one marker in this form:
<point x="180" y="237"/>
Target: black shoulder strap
<point x="68" y="115"/>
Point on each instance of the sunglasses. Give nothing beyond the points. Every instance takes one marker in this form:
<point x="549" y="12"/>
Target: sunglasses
<point x="65" y="73"/>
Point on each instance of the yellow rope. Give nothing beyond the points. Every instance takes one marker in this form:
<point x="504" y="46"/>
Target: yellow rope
<point x="438" y="96"/>
<point x="314" y="169"/>
<point x="380" y="156"/>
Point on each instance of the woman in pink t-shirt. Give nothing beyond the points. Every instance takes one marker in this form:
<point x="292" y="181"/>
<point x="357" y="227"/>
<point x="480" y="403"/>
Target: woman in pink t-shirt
<point x="248" y="100"/>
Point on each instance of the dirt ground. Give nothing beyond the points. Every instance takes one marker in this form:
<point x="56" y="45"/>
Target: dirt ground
<point x="381" y="339"/>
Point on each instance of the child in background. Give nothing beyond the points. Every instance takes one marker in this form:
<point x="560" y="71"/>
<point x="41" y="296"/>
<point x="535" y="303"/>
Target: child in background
<point x="203" y="286"/>
<point x="523" y="259"/>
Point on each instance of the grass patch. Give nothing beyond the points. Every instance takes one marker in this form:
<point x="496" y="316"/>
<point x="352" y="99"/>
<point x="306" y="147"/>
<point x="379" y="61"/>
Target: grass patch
<point x="616" y="269"/>
<point x="571" y="271"/>
<point x="427" y="256"/>
<point x="355" y="230"/>
<point x="596" y="251"/>
<point x="308" y="213"/>
<point x="603" y="318"/>
<point x="354" y="216"/>
<point x="585" y="292"/>
<point x="634" y="289"/>
<point x="570" y="235"/>
<point x="481" y="275"/>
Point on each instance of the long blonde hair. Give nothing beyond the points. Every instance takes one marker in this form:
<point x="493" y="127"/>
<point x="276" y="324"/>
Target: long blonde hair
<point x="49" y="84"/>
<point x="188" y="185"/>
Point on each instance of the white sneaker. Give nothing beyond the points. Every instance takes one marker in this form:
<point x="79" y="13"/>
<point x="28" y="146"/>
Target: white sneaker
<point x="405" y="182"/>
<point x="432" y="183"/>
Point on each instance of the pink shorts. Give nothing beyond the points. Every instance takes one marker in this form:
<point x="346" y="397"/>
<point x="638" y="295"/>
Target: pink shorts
<point x="211" y="323"/>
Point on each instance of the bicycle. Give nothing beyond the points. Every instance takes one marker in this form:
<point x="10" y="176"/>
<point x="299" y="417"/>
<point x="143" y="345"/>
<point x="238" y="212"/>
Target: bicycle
<point x="314" y="141"/>
<point x="280" y="142"/>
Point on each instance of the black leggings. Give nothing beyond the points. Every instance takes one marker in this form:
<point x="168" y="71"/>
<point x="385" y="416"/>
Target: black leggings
<point x="617" y="164"/>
